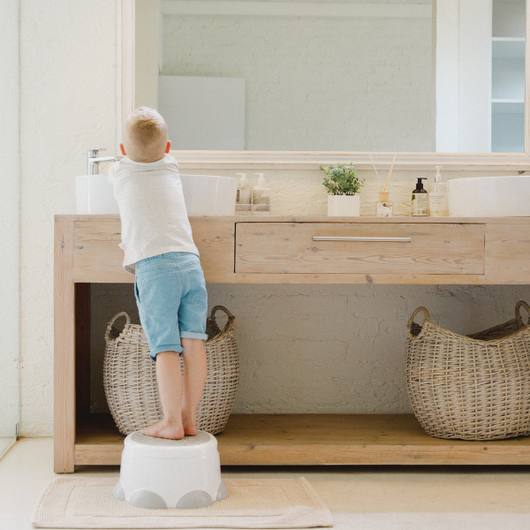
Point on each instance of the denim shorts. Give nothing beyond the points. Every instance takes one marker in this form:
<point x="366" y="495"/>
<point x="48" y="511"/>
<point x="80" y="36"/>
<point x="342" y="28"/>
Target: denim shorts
<point x="172" y="300"/>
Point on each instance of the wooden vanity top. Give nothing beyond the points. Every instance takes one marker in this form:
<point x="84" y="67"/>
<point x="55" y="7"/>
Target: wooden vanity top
<point x="315" y="219"/>
<point x="281" y="249"/>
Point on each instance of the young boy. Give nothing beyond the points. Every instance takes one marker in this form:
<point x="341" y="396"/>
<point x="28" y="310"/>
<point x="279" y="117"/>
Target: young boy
<point x="169" y="283"/>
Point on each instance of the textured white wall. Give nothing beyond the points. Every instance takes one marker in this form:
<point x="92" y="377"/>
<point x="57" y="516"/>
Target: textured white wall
<point x="9" y="219"/>
<point x="342" y="346"/>
<point x="68" y="105"/>
<point x="329" y="83"/>
<point x="322" y="349"/>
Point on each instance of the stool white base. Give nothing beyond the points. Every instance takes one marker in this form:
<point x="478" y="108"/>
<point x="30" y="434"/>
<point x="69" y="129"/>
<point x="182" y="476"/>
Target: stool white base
<point x="158" y="473"/>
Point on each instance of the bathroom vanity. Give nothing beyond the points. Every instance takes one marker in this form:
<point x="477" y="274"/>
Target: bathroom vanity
<point x="282" y="250"/>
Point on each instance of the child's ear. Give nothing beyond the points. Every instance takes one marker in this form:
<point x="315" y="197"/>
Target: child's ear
<point x="122" y="149"/>
<point x="168" y="147"/>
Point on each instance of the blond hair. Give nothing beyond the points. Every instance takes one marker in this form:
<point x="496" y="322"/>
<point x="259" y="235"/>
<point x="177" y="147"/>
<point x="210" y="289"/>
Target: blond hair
<point x="145" y="135"/>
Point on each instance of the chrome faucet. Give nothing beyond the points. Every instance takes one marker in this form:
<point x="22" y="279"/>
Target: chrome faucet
<point x="93" y="160"/>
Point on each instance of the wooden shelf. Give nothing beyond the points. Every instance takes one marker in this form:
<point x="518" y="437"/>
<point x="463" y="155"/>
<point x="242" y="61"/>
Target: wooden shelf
<point x="316" y="439"/>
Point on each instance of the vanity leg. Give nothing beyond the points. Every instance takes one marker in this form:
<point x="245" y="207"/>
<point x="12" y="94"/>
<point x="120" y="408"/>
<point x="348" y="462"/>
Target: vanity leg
<point x="64" y="348"/>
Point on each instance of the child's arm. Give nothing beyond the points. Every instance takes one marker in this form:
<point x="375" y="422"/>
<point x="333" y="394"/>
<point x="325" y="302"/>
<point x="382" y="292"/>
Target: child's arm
<point x="112" y="171"/>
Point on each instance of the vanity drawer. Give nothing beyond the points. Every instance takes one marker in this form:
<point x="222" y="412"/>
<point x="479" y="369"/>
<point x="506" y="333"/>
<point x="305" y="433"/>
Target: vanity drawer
<point x="368" y="248"/>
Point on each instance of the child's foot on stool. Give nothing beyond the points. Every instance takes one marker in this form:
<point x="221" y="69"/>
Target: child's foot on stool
<point x="189" y="424"/>
<point x="165" y="429"/>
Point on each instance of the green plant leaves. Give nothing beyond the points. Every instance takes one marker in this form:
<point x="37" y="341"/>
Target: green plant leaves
<point x="342" y="180"/>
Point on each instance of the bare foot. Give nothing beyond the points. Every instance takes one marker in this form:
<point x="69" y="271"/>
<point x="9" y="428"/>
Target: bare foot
<point x="165" y="429"/>
<point x="189" y="424"/>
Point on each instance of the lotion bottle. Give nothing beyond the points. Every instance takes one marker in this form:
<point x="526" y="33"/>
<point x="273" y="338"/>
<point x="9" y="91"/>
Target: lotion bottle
<point x="438" y="197"/>
<point x="420" y="200"/>
<point x="243" y="196"/>
<point x="261" y="197"/>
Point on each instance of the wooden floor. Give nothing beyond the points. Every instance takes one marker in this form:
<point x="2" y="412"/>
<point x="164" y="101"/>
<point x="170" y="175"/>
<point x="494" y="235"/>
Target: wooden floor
<point x="316" y="439"/>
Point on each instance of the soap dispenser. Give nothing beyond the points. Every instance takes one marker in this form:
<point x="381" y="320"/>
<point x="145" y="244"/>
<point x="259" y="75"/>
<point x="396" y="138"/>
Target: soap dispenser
<point x="420" y="200"/>
<point x="261" y="197"/>
<point x="438" y="196"/>
<point x="243" y="196"/>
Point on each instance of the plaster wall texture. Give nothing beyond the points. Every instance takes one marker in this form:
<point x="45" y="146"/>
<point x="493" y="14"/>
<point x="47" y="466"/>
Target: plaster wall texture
<point x="328" y="83"/>
<point x="9" y="219"/>
<point x="68" y="102"/>
<point x="322" y="349"/>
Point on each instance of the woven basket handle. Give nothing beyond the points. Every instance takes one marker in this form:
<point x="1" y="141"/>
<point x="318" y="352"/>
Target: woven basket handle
<point x="111" y="323"/>
<point x="518" y="306"/>
<point x="225" y="310"/>
<point x="411" y="319"/>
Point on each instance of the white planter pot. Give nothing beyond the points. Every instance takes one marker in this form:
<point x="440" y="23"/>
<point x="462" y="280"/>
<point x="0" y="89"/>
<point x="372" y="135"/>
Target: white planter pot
<point x="344" y="205"/>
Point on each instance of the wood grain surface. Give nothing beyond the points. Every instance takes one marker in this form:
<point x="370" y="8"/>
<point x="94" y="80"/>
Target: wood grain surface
<point x="288" y="248"/>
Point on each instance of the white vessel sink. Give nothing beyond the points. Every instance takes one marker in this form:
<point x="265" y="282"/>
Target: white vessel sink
<point x="204" y="195"/>
<point x="209" y="195"/>
<point x="96" y="198"/>
<point x="489" y="196"/>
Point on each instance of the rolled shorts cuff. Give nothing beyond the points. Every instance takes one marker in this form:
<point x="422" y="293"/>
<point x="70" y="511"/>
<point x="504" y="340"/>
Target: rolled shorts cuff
<point x="165" y="347"/>
<point x="193" y="335"/>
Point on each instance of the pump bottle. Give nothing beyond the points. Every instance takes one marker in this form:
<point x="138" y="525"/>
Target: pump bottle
<point x="261" y="197"/>
<point x="420" y="200"/>
<point x="244" y="196"/>
<point x="438" y="196"/>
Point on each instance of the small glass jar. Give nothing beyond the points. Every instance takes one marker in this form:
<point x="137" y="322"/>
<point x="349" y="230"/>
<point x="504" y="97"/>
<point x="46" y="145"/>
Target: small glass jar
<point x="383" y="207"/>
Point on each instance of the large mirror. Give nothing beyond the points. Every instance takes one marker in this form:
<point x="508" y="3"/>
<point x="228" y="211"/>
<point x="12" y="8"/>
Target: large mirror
<point x="409" y="76"/>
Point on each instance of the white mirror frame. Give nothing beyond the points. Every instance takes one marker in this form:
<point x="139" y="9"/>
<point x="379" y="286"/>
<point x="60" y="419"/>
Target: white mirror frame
<point x="314" y="159"/>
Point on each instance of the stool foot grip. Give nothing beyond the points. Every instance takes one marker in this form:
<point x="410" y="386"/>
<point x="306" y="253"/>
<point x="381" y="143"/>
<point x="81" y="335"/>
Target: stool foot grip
<point x="222" y="492"/>
<point x="147" y="499"/>
<point x="118" y="492"/>
<point x="194" y="499"/>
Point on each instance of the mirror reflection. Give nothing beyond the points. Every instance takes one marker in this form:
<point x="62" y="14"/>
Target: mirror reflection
<point x="355" y="75"/>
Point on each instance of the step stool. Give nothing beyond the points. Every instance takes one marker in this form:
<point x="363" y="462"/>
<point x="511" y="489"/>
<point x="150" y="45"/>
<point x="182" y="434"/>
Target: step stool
<point x="161" y="473"/>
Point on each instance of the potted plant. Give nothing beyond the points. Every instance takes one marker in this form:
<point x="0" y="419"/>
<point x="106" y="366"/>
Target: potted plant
<point x="343" y="187"/>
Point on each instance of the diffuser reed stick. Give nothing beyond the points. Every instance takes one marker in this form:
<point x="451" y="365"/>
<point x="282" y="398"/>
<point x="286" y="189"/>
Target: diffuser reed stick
<point x="384" y="207"/>
<point x="378" y="179"/>
<point x="389" y="174"/>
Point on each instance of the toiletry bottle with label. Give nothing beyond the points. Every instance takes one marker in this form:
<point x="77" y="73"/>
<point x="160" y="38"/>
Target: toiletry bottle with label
<point x="438" y="197"/>
<point x="243" y="196"/>
<point x="383" y="207"/>
<point x="420" y="200"/>
<point x="261" y="197"/>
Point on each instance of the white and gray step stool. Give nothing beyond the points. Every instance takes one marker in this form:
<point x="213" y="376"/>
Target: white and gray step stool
<point x="160" y="473"/>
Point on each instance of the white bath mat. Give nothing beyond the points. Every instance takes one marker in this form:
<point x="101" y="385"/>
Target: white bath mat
<point x="78" y="502"/>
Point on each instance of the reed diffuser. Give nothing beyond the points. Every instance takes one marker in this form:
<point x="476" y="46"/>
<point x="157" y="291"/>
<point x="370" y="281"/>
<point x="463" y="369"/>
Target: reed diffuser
<point x="384" y="207"/>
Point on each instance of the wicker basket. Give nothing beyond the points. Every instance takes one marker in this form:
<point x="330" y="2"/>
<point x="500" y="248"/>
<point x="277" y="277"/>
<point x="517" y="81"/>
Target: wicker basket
<point x="472" y="388"/>
<point x="129" y="376"/>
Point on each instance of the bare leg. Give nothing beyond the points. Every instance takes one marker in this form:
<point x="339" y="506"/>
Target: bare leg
<point x="194" y="380"/>
<point x="169" y="378"/>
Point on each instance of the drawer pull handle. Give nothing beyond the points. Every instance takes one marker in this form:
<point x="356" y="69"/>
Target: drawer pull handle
<point x="378" y="239"/>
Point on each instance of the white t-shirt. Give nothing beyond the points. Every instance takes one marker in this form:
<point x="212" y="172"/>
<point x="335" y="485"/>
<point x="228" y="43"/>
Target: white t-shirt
<point x="152" y="209"/>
